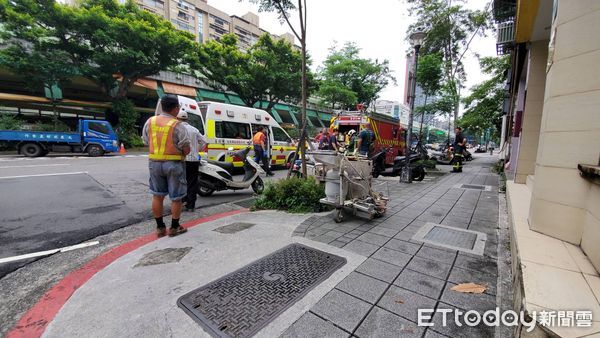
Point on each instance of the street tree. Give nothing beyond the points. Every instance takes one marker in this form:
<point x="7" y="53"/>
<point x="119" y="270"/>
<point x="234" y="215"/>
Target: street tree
<point x="429" y="76"/>
<point x="269" y="71"/>
<point x="283" y="8"/>
<point x="484" y="104"/>
<point x="111" y="44"/>
<point x="450" y="28"/>
<point x="347" y="79"/>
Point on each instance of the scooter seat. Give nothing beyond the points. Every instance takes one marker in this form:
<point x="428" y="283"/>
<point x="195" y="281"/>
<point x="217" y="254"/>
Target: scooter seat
<point x="228" y="166"/>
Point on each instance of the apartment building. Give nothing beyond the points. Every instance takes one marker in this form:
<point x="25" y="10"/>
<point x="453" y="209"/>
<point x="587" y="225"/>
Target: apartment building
<point x="209" y="23"/>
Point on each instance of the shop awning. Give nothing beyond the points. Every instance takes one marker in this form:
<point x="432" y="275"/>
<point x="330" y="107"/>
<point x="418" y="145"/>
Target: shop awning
<point x="173" y="88"/>
<point x="146" y="83"/>
<point x="234" y="99"/>
<point x="208" y="95"/>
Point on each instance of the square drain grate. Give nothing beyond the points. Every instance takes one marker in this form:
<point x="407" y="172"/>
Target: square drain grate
<point x="452" y="238"/>
<point x="473" y="187"/>
<point x="234" y="227"/>
<point x="244" y="301"/>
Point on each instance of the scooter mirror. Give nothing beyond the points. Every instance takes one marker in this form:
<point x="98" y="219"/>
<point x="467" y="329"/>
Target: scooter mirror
<point x="230" y="148"/>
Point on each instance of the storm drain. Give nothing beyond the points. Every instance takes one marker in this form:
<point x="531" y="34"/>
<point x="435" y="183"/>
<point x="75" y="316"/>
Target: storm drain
<point x="243" y="302"/>
<point x="234" y="227"/>
<point x="247" y="203"/>
<point x="452" y="238"/>
<point x="474" y="187"/>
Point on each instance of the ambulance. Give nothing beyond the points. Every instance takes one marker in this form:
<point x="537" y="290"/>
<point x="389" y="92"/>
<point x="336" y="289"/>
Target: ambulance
<point x="229" y="126"/>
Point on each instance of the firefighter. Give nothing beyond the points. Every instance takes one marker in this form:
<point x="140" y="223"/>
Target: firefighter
<point x="459" y="146"/>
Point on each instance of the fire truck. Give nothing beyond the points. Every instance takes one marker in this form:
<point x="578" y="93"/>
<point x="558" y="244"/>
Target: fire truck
<point x="389" y="133"/>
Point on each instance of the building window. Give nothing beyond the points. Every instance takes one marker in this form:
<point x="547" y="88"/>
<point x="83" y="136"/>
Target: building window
<point x="185" y="5"/>
<point x="184" y="16"/>
<point x="182" y="25"/>
<point x="200" y="16"/>
<point x="219" y="21"/>
<point x="154" y="3"/>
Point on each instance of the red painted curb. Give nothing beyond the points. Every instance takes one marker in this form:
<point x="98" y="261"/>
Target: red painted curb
<point x="34" y="322"/>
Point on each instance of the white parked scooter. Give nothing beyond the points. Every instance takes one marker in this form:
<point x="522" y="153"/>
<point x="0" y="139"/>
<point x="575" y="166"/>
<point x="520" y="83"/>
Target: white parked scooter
<point x="216" y="176"/>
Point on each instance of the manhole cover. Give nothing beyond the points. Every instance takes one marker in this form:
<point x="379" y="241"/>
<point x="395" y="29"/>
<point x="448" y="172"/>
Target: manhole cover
<point x="234" y="227"/>
<point x="241" y="303"/>
<point x="473" y="187"/>
<point x="452" y="238"/>
<point x="162" y="256"/>
<point x="247" y="203"/>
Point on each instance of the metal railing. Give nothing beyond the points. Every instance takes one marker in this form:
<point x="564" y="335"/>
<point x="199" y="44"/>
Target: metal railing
<point x="505" y="37"/>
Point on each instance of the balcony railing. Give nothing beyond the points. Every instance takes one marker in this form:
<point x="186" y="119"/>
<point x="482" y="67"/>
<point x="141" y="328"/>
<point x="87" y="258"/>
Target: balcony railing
<point x="505" y="37"/>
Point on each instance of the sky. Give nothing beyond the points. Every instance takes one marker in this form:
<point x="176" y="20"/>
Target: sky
<point x="377" y="26"/>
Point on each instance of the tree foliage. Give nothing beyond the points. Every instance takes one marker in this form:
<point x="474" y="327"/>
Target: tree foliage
<point x="449" y="27"/>
<point x="269" y="71"/>
<point x="484" y="104"/>
<point x="347" y="79"/>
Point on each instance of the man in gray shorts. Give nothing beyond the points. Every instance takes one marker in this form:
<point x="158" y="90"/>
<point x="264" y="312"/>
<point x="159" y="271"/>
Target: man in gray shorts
<point x="169" y="144"/>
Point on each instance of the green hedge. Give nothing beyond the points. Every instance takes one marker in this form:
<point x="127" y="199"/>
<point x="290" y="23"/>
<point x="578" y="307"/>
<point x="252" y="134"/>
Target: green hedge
<point x="294" y="195"/>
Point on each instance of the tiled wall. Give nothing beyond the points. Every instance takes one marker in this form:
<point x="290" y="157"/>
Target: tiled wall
<point x="563" y="204"/>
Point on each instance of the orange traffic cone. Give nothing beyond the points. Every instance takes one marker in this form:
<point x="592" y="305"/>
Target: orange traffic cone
<point x="122" y="149"/>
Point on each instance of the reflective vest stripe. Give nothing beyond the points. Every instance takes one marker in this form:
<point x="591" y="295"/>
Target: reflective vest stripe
<point x="163" y="150"/>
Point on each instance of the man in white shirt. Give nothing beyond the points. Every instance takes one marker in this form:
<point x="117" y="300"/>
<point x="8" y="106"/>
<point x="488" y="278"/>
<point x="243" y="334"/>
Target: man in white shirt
<point x="192" y="160"/>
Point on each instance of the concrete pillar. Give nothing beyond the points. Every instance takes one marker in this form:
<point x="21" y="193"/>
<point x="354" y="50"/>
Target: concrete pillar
<point x="563" y="204"/>
<point x="532" y="112"/>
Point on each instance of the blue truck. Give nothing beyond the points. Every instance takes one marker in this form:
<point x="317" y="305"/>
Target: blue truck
<point x="93" y="137"/>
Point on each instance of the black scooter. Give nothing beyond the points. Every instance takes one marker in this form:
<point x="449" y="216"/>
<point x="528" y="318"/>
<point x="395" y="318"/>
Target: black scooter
<point x="379" y="168"/>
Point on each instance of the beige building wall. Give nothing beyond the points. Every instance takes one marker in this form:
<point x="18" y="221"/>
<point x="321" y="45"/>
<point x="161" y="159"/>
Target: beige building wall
<point x="532" y="113"/>
<point x="563" y="204"/>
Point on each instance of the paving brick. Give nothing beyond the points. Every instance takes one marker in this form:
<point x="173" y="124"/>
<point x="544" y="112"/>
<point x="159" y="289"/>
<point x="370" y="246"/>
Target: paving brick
<point x="345" y="239"/>
<point x="334" y="233"/>
<point x="459" y="275"/>
<point x="429" y="267"/>
<point x="392" y="256"/>
<point x="364" y="287"/>
<point x="338" y="244"/>
<point x="405" y="303"/>
<point x="384" y="231"/>
<point x="381" y="270"/>
<point x="403" y="246"/>
<point x="312" y="326"/>
<point x="406" y="235"/>
<point x="484" y="264"/>
<point x="420" y="283"/>
<point x="361" y="248"/>
<point x="437" y="254"/>
<point x="472" y="301"/>
<point x="373" y="238"/>
<point x="342" y="309"/>
<point x="384" y="324"/>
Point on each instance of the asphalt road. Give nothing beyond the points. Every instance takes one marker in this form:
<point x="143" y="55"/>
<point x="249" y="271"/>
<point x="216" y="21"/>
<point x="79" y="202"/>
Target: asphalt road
<point x="57" y="201"/>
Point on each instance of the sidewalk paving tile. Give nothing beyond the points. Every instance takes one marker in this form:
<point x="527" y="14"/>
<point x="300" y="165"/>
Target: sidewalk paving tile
<point x="460" y="275"/>
<point x="437" y="254"/>
<point x="392" y="256"/>
<point x="429" y="267"/>
<point x="312" y="326"/>
<point x="383" y="324"/>
<point x="384" y="231"/>
<point x="484" y="264"/>
<point x="362" y="286"/>
<point x="373" y="238"/>
<point x="472" y="301"/>
<point x="420" y="283"/>
<point x="342" y="309"/>
<point x="403" y="246"/>
<point x="405" y="303"/>
<point x="337" y="243"/>
<point x="361" y="248"/>
<point x="381" y="270"/>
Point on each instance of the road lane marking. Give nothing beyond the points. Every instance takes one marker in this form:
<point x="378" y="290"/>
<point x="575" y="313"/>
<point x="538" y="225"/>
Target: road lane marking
<point x="48" y="252"/>
<point x="33" y="166"/>
<point x="41" y="175"/>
